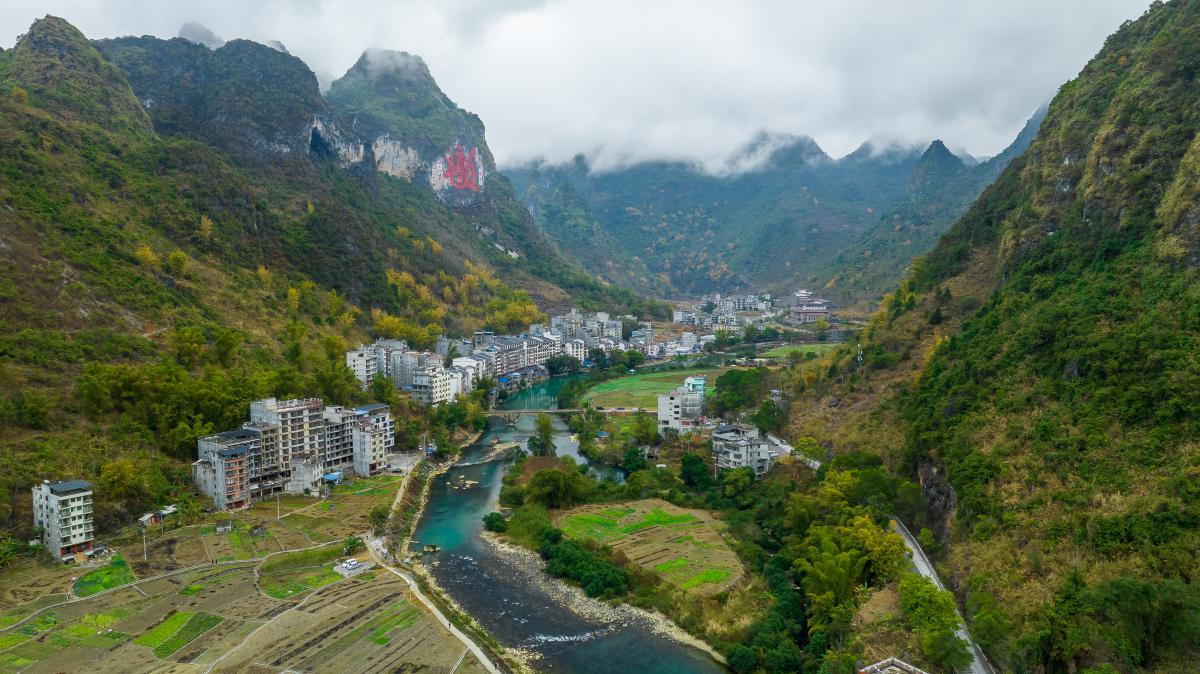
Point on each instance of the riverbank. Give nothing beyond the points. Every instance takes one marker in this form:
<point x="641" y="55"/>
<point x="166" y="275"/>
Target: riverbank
<point x="576" y="600"/>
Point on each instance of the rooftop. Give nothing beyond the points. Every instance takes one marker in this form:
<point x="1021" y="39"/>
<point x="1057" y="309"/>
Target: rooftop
<point x="69" y="486"/>
<point x="236" y="435"/>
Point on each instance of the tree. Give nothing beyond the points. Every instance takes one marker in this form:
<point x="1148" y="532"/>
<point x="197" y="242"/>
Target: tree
<point x="557" y="488"/>
<point x="741" y="658"/>
<point x="382" y="389"/>
<point x="352" y="544"/>
<point x="146" y="256"/>
<point x="931" y="613"/>
<point x="769" y="418"/>
<point x="544" y="432"/>
<point x="176" y="264"/>
<point x="378" y="518"/>
<point x="645" y="429"/>
<point x="9" y="548"/>
<point x="187" y="345"/>
<point x="562" y="364"/>
<point x="735" y="482"/>
<point x="495" y="522"/>
<point x="693" y="471"/>
<point x="633" y="460"/>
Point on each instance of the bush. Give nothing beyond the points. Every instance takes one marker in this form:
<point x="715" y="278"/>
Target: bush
<point x="597" y="576"/>
<point x="495" y="522"/>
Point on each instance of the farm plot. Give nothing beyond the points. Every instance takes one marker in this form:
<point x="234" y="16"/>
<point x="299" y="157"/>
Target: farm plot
<point x="802" y="349"/>
<point x="344" y="513"/>
<point x="369" y="626"/>
<point x="30" y="581"/>
<point x="177" y="550"/>
<point x="642" y="390"/>
<point x="286" y="576"/>
<point x="682" y="546"/>
<point x="113" y="574"/>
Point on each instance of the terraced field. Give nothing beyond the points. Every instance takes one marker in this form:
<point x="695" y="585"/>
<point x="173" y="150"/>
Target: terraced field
<point x="239" y="612"/>
<point x="226" y="618"/>
<point x="683" y="546"/>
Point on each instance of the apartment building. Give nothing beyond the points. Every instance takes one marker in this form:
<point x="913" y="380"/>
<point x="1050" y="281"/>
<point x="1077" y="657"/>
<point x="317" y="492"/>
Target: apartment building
<point x="739" y="446"/>
<point x="235" y="468"/>
<point x="373" y="436"/>
<point x="381" y="357"/>
<point x="63" y="513"/>
<point x="681" y="408"/>
<point x="221" y="471"/>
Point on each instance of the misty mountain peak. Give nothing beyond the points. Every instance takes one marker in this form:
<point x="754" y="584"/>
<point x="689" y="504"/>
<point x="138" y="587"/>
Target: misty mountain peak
<point x="194" y="32"/>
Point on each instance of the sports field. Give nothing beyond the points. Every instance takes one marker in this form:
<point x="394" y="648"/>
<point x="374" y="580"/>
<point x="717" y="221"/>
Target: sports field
<point x="783" y="351"/>
<point x="642" y="390"/>
<point x="680" y="545"/>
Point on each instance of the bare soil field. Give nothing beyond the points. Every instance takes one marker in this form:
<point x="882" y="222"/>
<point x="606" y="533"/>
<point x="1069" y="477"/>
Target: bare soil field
<point x="683" y="546"/>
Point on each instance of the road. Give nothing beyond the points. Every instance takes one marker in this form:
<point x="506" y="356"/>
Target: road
<point x="979" y="662"/>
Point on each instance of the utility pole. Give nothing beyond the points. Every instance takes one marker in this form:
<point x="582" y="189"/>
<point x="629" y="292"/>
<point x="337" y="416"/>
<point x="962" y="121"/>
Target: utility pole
<point x="276" y="505"/>
<point x="145" y="557"/>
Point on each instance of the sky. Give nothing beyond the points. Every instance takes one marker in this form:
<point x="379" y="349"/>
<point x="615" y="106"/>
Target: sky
<point x="624" y="81"/>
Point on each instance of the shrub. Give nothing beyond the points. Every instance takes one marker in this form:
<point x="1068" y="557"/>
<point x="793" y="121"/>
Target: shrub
<point x="495" y="522"/>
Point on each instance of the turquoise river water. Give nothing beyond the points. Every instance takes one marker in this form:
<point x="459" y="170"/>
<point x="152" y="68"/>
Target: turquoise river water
<point x="503" y="592"/>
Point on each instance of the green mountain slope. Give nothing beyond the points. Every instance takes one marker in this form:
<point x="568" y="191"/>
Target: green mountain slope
<point x="1038" y="373"/>
<point x="180" y="234"/>
<point x="676" y="229"/>
<point x="940" y="189"/>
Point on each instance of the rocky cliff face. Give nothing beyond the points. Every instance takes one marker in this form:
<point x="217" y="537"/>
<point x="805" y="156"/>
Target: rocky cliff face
<point x="414" y="130"/>
<point x="249" y="99"/>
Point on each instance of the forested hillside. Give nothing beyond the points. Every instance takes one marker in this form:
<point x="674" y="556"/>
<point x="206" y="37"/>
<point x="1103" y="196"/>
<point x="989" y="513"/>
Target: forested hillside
<point x="185" y="229"/>
<point x="850" y="226"/>
<point x="940" y="189"/>
<point x="672" y="228"/>
<point x="1037" y="373"/>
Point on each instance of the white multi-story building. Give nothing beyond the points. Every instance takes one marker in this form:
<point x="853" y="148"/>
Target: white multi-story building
<point x="373" y="435"/>
<point x="739" y="446"/>
<point x="680" y="409"/>
<point x="575" y="348"/>
<point x="431" y="384"/>
<point x="363" y="363"/>
<point x="63" y="513"/>
<point x="379" y="358"/>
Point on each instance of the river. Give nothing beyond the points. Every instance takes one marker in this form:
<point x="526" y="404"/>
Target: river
<point x="503" y="594"/>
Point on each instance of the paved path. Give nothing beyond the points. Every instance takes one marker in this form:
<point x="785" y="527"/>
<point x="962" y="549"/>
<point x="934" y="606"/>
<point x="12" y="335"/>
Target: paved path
<point x="979" y="662"/>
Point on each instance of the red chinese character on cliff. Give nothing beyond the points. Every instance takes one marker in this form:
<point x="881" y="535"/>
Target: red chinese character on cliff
<point x="461" y="170"/>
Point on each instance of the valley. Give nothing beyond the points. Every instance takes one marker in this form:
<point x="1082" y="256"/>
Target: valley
<point x="303" y="368"/>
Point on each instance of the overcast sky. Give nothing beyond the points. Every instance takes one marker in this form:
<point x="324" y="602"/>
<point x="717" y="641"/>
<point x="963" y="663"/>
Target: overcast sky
<point x="627" y="80"/>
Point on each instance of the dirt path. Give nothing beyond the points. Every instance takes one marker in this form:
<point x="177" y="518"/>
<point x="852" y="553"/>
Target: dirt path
<point x="437" y="613"/>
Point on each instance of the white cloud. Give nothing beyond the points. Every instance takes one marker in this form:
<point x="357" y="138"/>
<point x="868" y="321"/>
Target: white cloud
<point x="626" y="80"/>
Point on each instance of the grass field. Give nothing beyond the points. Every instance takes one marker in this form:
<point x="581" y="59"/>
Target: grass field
<point x="682" y="546"/>
<point x="114" y="574"/>
<point x="783" y="351"/>
<point x="642" y="390"/>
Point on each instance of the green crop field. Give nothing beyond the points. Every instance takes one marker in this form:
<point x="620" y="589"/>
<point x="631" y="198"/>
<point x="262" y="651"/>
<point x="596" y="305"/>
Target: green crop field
<point x="642" y="390"/>
<point x="115" y="574"/>
<point x="681" y="546"/>
<point x="783" y="351"/>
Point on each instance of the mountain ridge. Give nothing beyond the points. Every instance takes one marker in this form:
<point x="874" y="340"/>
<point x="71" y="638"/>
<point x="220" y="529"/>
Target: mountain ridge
<point x="1035" y="372"/>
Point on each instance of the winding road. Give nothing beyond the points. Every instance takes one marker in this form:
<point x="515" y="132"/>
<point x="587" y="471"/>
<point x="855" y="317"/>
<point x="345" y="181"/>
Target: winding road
<point x="979" y="662"/>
